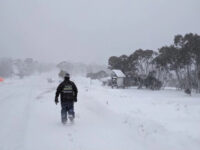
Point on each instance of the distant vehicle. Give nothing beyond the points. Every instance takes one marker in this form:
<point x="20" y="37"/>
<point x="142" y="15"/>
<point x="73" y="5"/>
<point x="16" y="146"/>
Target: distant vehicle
<point x="1" y="79"/>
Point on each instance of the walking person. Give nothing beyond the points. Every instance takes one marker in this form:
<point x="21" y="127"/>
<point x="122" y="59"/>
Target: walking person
<point x="68" y="95"/>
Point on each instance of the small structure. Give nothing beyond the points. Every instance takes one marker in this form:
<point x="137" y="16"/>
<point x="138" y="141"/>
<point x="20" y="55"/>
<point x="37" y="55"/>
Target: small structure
<point x="117" y="78"/>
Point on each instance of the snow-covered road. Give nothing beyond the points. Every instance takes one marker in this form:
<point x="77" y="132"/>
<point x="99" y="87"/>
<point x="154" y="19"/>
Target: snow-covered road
<point x="106" y="119"/>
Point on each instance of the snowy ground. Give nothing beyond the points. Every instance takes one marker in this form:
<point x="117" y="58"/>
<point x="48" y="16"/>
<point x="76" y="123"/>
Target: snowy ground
<point x="106" y="119"/>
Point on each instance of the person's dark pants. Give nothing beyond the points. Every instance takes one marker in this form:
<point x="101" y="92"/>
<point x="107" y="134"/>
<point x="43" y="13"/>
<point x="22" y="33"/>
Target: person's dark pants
<point x="67" y="108"/>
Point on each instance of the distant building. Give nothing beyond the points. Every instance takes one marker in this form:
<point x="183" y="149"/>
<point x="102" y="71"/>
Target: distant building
<point x="117" y="78"/>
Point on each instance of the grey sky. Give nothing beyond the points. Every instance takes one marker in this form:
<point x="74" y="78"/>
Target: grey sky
<point x="91" y="30"/>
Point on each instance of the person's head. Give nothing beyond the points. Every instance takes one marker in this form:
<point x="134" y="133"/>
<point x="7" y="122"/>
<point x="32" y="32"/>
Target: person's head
<point x="67" y="76"/>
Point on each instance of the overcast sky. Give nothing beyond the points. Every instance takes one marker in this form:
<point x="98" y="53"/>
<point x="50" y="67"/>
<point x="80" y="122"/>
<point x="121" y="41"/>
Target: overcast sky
<point x="91" y="30"/>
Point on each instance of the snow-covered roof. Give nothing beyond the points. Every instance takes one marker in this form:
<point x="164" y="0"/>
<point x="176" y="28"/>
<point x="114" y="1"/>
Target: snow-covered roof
<point x="119" y="73"/>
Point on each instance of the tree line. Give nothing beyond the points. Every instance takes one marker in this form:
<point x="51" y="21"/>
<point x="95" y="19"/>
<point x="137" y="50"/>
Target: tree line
<point x="174" y="65"/>
<point x="21" y="68"/>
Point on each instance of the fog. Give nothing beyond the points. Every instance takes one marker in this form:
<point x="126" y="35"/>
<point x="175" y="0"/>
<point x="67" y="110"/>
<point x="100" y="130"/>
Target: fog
<point x="90" y="31"/>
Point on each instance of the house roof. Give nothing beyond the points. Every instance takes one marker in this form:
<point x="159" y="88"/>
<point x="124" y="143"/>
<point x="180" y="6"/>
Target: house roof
<point x="119" y="73"/>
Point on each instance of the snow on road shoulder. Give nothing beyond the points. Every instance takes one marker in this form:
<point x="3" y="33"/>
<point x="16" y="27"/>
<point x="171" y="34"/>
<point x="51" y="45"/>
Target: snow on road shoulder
<point x="156" y="115"/>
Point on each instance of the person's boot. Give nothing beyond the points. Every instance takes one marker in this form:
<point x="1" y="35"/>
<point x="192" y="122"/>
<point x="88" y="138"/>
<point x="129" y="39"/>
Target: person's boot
<point x="64" y="122"/>
<point x="71" y="116"/>
<point x="64" y="119"/>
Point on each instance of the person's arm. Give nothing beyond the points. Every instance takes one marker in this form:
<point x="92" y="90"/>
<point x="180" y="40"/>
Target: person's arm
<point x="58" y="91"/>
<point x="75" y="89"/>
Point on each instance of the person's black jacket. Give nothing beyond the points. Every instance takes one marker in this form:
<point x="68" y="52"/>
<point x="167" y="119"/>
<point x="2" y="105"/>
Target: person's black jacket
<point x="68" y="91"/>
